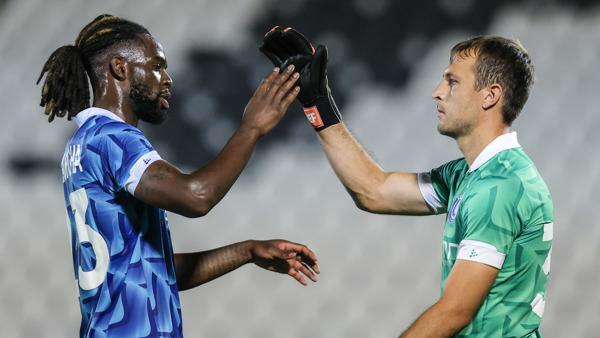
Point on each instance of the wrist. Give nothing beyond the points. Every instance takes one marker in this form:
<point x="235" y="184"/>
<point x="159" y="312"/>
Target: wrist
<point x="250" y="132"/>
<point x="249" y="250"/>
<point x="322" y="113"/>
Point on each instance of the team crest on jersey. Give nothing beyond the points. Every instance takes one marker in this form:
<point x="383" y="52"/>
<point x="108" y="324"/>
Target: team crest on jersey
<point x="454" y="209"/>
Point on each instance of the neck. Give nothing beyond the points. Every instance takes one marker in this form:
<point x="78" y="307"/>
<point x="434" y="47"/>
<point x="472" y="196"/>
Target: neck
<point x="472" y="145"/>
<point x="113" y="99"/>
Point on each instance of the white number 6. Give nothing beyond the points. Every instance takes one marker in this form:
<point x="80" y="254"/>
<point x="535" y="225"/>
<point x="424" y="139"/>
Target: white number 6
<point x="89" y="280"/>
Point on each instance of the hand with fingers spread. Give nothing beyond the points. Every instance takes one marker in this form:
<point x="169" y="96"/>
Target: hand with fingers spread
<point x="271" y="100"/>
<point x="286" y="257"/>
<point x="289" y="47"/>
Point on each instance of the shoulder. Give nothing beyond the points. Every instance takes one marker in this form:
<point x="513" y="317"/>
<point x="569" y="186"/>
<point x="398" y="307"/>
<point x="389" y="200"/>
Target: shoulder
<point x="107" y="126"/>
<point x="450" y="173"/>
<point x="450" y="170"/>
<point x="460" y="164"/>
<point x="508" y="180"/>
<point x="109" y="132"/>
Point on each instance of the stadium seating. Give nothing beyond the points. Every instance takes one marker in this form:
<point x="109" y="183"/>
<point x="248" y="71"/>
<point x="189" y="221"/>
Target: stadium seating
<point x="379" y="272"/>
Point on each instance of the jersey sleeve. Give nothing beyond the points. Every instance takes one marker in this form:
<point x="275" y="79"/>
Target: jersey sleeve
<point x="491" y="223"/>
<point x="435" y="185"/>
<point x="128" y="153"/>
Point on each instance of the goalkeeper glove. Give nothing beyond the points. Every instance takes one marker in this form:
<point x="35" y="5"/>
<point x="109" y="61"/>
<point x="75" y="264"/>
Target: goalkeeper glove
<point x="287" y="46"/>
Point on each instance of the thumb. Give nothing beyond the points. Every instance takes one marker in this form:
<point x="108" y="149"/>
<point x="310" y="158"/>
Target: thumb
<point x="319" y="67"/>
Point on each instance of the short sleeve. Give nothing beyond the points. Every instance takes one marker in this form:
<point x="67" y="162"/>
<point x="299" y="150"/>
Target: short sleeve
<point x="490" y="223"/>
<point x="128" y="155"/>
<point x="435" y="185"/>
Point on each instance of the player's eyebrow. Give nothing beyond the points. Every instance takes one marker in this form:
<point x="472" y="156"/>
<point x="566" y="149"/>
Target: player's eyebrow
<point x="448" y="75"/>
<point x="161" y="60"/>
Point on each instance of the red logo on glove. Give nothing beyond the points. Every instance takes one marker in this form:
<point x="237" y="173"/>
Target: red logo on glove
<point x="313" y="116"/>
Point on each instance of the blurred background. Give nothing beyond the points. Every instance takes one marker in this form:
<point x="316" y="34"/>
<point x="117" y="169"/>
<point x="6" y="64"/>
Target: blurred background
<point x="379" y="272"/>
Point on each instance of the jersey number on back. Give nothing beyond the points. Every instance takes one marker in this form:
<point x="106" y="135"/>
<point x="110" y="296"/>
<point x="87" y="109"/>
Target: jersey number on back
<point x="89" y="280"/>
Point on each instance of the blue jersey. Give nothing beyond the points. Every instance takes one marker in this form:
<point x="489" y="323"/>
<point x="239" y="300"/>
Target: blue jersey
<point x="122" y="252"/>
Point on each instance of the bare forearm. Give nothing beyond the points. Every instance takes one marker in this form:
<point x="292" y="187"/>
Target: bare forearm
<point x="210" y="183"/>
<point x="357" y="171"/>
<point x="193" y="269"/>
<point x="371" y="188"/>
<point x="193" y="195"/>
<point x="437" y="321"/>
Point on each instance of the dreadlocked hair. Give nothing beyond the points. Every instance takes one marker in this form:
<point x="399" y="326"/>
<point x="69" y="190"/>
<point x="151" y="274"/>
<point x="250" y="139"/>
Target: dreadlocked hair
<point x="68" y="69"/>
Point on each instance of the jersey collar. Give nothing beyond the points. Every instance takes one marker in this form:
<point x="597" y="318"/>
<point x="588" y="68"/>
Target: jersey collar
<point x="84" y="115"/>
<point x="501" y="143"/>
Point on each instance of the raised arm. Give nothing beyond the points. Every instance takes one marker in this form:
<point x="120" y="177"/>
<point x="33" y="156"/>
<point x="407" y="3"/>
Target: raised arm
<point x="296" y="260"/>
<point x="195" y="194"/>
<point x="371" y="188"/>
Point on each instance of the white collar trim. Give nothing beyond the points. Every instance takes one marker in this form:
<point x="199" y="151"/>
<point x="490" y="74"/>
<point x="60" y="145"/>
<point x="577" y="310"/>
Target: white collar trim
<point x="501" y="143"/>
<point x="84" y="115"/>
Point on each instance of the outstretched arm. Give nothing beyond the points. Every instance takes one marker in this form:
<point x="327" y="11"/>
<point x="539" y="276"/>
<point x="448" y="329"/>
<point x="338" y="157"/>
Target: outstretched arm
<point x="194" y="195"/>
<point x="296" y="260"/>
<point x="371" y="188"/>
<point x="467" y="286"/>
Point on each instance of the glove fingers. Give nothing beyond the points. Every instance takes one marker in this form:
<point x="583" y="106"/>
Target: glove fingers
<point x="273" y="41"/>
<point x="272" y="56"/>
<point x="299" y="62"/>
<point x="281" y="42"/>
<point x="274" y="29"/>
<point x="324" y="58"/>
<point x="318" y="67"/>
<point x="298" y="41"/>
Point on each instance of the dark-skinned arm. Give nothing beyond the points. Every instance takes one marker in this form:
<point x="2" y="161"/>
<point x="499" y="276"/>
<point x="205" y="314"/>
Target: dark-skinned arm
<point x="467" y="286"/>
<point x="296" y="260"/>
<point x="194" y="195"/>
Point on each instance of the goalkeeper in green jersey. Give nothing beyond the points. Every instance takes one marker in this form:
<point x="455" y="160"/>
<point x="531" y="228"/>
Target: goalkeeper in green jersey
<point x="498" y="232"/>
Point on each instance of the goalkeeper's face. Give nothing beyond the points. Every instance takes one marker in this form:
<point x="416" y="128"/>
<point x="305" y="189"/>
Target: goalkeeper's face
<point x="458" y="103"/>
<point x="150" y="87"/>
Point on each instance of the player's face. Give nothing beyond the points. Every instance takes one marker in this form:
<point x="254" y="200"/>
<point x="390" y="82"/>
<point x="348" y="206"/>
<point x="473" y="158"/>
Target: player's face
<point x="150" y="83"/>
<point x="457" y="100"/>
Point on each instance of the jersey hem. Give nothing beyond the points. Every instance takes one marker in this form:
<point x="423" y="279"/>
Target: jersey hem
<point x="429" y="195"/>
<point x="480" y="252"/>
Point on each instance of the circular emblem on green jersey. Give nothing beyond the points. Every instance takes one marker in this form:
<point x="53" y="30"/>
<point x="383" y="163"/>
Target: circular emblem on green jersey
<point x="454" y="209"/>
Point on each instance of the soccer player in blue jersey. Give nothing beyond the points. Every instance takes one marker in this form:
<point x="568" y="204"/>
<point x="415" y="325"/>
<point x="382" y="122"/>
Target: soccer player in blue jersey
<point x="117" y="187"/>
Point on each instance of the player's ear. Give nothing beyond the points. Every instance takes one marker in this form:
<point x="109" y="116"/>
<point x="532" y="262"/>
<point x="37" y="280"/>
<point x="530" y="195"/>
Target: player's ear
<point x="492" y="95"/>
<point x="118" y="67"/>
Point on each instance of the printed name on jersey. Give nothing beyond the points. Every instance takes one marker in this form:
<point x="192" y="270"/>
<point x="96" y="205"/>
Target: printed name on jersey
<point x="71" y="161"/>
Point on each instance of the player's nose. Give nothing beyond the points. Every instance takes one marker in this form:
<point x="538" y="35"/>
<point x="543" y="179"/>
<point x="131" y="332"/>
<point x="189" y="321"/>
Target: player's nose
<point x="167" y="80"/>
<point x="436" y="95"/>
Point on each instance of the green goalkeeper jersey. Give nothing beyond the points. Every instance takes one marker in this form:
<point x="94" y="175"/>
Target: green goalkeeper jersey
<point x="499" y="213"/>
